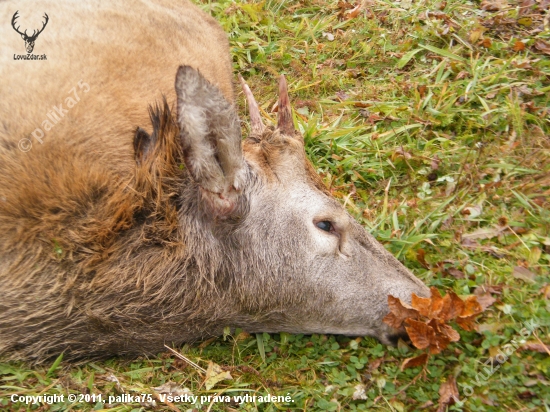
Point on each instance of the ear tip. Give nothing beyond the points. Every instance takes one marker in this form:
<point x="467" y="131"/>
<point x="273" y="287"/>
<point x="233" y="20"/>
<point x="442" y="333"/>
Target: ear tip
<point x="187" y="72"/>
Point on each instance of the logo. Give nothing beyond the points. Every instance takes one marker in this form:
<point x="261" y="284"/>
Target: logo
<point x="29" y="40"/>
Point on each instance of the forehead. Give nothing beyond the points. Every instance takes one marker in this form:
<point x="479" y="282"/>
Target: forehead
<point x="280" y="158"/>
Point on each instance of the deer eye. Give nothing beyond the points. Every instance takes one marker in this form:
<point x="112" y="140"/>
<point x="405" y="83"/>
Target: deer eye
<point x="325" y="225"/>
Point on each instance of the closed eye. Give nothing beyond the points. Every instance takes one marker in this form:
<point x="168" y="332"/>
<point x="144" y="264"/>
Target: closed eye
<point x="325" y="225"/>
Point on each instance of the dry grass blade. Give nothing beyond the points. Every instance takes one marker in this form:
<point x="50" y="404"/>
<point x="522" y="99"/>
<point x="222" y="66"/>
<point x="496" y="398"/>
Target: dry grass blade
<point x="183" y="358"/>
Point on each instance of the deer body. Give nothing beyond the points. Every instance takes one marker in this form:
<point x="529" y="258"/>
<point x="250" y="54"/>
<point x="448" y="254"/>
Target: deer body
<point x="127" y="229"/>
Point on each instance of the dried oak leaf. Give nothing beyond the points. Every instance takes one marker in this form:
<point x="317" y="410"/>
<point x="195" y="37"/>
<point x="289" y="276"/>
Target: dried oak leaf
<point x="419" y="360"/>
<point x="441" y="340"/>
<point x="451" y="307"/>
<point x="467" y="323"/>
<point x="398" y="312"/>
<point x="421" y="334"/>
<point x="426" y="319"/>
<point x="471" y="307"/>
<point x="441" y="328"/>
<point x="428" y="307"/>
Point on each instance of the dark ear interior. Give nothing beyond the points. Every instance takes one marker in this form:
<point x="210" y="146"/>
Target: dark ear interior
<point x="143" y="144"/>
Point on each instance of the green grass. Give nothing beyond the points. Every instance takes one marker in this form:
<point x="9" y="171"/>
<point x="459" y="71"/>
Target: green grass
<point x="429" y="121"/>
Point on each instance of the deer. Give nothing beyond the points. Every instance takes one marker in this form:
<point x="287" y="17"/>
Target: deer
<point x="143" y="218"/>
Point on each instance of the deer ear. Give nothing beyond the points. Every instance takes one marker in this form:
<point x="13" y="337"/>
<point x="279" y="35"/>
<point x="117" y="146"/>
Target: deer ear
<point x="211" y="141"/>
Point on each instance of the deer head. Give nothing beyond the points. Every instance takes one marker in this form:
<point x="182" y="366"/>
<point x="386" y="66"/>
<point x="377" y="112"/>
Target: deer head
<point x="29" y="40"/>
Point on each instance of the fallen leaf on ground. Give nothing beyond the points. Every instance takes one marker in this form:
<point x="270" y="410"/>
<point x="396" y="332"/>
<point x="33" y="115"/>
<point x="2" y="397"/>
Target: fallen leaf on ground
<point x="458" y="274"/>
<point x="493" y="5"/>
<point x="351" y="14"/>
<point x="398" y="312"/>
<point x="215" y="374"/>
<point x="485" y="233"/>
<point x="421" y="334"/>
<point x="536" y="347"/>
<point x="485" y="300"/>
<point x="448" y="392"/>
<point x="518" y="46"/>
<point x="542" y="46"/>
<point x="426" y="318"/>
<point x="524" y="274"/>
<point x="415" y="361"/>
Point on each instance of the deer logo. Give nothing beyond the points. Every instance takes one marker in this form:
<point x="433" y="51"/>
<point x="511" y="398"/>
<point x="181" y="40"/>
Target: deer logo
<point x="29" y="40"/>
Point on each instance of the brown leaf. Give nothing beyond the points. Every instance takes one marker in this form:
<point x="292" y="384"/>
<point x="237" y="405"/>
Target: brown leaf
<point x="536" y="347"/>
<point x="492" y="5"/>
<point x="518" y="46"/>
<point x="426" y="405"/>
<point x="448" y="392"/>
<point x="471" y="307"/>
<point x="524" y="274"/>
<point x="401" y="152"/>
<point x="422" y="90"/>
<point x="525" y="5"/>
<point x="353" y="12"/>
<point x="527" y="395"/>
<point x="467" y="323"/>
<point x="494" y="289"/>
<point x="485" y="300"/>
<point x="428" y="307"/>
<point x="441" y="340"/>
<point x="421" y="334"/>
<point x="486" y="42"/>
<point x="423" y="305"/>
<point x="440" y="343"/>
<point x="542" y="46"/>
<point x="452" y="306"/>
<point x="421" y="257"/>
<point x="458" y="274"/>
<point x="398" y="312"/>
<point x="419" y="360"/>
<point x="452" y="334"/>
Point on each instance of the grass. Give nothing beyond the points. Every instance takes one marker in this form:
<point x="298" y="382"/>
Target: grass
<point x="430" y="121"/>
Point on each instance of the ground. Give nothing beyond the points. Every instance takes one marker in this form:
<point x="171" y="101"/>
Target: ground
<point x="430" y="121"/>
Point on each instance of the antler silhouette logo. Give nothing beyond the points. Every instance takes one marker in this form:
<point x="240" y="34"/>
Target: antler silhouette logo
<point x="29" y="40"/>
